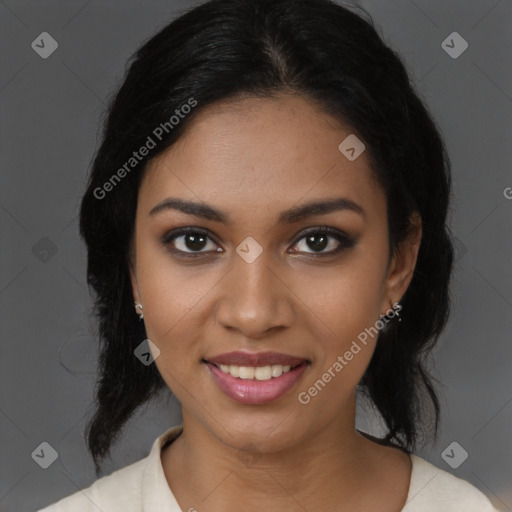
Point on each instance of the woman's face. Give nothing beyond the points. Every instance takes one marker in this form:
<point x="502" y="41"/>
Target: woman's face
<point x="255" y="279"/>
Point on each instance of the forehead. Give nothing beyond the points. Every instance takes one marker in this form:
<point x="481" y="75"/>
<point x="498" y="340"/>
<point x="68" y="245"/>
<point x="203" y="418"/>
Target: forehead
<point x="258" y="154"/>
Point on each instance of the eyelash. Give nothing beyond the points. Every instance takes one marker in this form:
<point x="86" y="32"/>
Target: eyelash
<point x="345" y="241"/>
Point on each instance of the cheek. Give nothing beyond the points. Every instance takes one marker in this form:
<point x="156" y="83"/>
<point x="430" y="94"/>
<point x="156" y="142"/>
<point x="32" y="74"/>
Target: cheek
<point x="175" y="298"/>
<point x="346" y="339"/>
<point x="344" y="310"/>
<point x="348" y="299"/>
<point x="171" y="291"/>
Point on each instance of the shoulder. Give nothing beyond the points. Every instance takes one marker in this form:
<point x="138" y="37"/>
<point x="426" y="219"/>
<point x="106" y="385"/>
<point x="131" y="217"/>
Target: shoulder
<point x="119" y="491"/>
<point x="433" y="489"/>
<point x="139" y="486"/>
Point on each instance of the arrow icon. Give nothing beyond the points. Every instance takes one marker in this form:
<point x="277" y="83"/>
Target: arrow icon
<point x="454" y="45"/>
<point x="44" y="45"/>
<point x="454" y="455"/>
<point x="44" y="455"/>
<point x="147" y="352"/>
<point x="44" y="249"/>
<point x="249" y="249"/>
<point x="351" y="147"/>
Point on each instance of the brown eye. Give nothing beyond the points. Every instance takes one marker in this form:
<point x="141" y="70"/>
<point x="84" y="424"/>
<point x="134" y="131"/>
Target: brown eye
<point x="319" y="239"/>
<point x="189" y="241"/>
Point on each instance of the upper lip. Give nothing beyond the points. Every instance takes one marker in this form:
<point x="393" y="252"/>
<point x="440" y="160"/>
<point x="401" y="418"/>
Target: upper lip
<point x="269" y="358"/>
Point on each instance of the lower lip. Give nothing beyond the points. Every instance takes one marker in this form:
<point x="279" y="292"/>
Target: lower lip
<point x="255" y="391"/>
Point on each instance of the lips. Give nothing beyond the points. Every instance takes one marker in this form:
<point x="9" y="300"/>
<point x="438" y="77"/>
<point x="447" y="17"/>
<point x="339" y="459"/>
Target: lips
<point x="255" y="386"/>
<point x="254" y="359"/>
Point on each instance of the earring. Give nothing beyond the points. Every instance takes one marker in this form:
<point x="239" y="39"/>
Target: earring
<point x="397" y="307"/>
<point x="139" y="306"/>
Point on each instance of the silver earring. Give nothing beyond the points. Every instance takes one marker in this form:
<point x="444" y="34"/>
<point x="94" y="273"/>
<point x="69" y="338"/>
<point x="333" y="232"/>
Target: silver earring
<point x="397" y="307"/>
<point x="139" y="307"/>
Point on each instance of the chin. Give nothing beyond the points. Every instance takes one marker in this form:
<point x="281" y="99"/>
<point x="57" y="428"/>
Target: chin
<point x="261" y="433"/>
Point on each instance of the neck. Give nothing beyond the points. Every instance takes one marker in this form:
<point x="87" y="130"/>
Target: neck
<point x="206" y="472"/>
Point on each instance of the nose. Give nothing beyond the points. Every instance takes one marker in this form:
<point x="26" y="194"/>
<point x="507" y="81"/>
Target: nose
<point x="255" y="299"/>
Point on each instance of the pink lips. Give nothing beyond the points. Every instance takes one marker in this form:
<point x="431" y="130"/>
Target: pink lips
<point x="252" y="391"/>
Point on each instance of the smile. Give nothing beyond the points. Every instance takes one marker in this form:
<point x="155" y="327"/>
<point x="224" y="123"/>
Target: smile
<point x="256" y="385"/>
<point x="255" y="372"/>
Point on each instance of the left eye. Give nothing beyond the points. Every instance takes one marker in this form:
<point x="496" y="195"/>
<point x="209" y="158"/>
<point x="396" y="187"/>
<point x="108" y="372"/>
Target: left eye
<point x="318" y="240"/>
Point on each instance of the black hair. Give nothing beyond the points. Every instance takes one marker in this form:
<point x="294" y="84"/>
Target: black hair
<point x="228" y="49"/>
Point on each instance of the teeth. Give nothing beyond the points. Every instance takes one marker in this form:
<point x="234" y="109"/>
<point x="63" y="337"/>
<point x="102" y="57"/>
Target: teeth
<point x="258" y="372"/>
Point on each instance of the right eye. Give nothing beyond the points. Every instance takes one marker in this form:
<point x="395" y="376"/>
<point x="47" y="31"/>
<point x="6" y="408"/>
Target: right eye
<point x="187" y="242"/>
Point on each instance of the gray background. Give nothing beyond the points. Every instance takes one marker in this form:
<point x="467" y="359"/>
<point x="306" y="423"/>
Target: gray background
<point x="49" y="130"/>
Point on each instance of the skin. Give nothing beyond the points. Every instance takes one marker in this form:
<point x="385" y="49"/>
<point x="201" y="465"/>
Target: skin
<point x="254" y="158"/>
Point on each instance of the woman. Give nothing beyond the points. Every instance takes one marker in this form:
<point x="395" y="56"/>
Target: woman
<point x="266" y="231"/>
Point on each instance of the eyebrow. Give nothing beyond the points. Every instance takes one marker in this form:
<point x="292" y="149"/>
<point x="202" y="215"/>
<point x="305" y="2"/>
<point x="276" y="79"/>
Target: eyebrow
<point x="204" y="211"/>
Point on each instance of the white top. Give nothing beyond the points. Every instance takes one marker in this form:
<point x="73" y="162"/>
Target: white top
<point x="142" y="487"/>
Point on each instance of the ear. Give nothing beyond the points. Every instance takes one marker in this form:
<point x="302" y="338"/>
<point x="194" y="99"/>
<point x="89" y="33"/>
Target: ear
<point x="133" y="275"/>
<point x="403" y="263"/>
